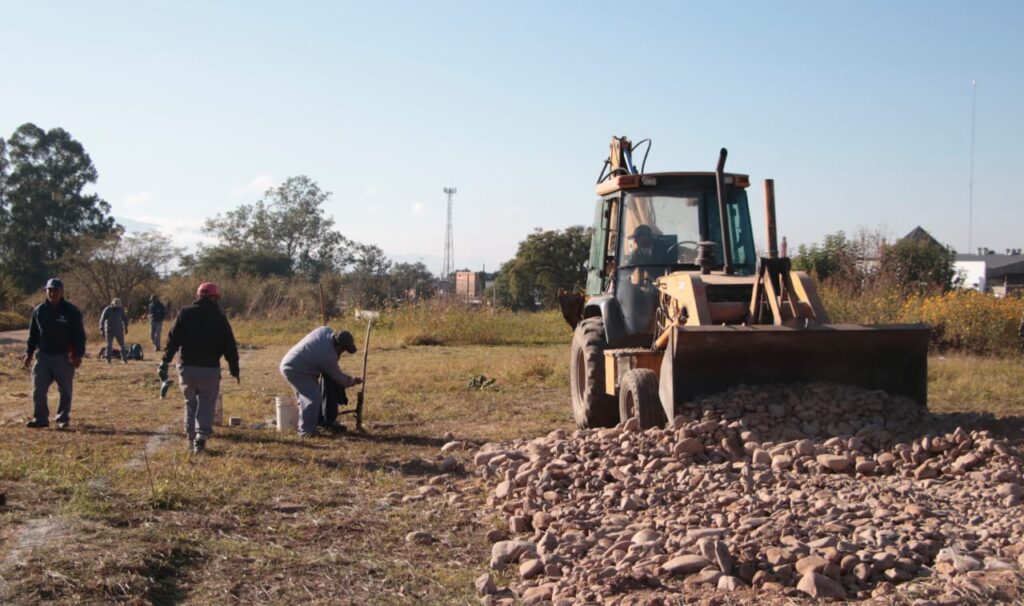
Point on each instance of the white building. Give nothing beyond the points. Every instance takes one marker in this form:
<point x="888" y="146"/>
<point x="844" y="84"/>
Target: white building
<point x="989" y="272"/>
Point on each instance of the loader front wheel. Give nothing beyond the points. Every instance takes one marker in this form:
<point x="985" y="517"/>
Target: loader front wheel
<point x="591" y="406"/>
<point x="638" y="397"/>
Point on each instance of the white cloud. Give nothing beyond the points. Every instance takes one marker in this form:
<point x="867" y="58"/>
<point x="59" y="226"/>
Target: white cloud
<point x="258" y="185"/>
<point x="182" y="232"/>
<point x="137" y="199"/>
<point x="417" y="208"/>
<point x="370" y="190"/>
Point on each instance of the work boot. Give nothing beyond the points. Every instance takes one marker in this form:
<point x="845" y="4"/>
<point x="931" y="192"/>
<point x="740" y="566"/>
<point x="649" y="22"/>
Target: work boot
<point x="108" y="360"/>
<point x="164" y="386"/>
<point x="64" y="425"/>
<point x="36" y="424"/>
<point x="198" y="446"/>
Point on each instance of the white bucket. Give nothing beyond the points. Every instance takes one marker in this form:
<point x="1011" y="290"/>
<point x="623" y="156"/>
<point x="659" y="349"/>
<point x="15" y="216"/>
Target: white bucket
<point x="218" y="411"/>
<point x="287" y="414"/>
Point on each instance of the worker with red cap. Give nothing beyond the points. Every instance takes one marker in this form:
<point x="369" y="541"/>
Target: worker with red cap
<point x="204" y="335"/>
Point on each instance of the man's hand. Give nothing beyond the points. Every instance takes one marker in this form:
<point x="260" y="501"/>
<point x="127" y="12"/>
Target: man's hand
<point x="357" y="381"/>
<point x="74" y="360"/>
<point x="28" y="360"/>
<point x="238" y="378"/>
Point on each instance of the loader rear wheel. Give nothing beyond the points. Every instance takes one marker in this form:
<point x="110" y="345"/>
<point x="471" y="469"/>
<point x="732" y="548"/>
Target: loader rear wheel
<point x="638" y="397"/>
<point x="591" y="406"/>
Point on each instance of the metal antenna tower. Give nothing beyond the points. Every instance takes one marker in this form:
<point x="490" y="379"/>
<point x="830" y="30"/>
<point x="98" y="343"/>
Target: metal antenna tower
<point x="449" y="253"/>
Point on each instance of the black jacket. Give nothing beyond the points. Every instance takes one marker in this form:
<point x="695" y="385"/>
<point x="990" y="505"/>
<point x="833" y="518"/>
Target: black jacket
<point x="157" y="311"/>
<point x="56" y="329"/>
<point x="204" y="335"/>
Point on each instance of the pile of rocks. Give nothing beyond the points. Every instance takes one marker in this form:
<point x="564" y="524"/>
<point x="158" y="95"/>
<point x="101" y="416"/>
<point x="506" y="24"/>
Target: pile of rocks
<point x="828" y="491"/>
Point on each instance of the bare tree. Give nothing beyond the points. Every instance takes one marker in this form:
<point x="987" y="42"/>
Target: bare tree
<point x="117" y="266"/>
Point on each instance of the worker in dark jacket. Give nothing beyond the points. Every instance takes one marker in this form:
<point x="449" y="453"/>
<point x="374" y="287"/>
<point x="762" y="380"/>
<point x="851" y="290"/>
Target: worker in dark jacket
<point x="157" y="315"/>
<point x="204" y="335"/>
<point x="57" y="332"/>
<point x="316" y="354"/>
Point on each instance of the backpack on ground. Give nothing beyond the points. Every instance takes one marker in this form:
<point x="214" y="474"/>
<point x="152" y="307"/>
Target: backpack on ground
<point x="135" y="351"/>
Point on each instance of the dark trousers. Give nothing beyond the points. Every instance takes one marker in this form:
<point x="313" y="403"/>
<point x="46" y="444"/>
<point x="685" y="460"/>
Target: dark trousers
<point x="50" y="368"/>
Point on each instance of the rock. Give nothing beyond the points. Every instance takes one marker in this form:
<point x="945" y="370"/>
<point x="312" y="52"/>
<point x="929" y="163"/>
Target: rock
<point x="685" y="564"/>
<point x="646" y="537"/>
<point x="704" y="577"/>
<point x="530" y="568"/>
<point x="834" y="462"/>
<point x="688" y="446"/>
<point x="632" y="424"/>
<point x="925" y="471"/>
<point x="504" y="552"/>
<point x="729" y="583"/>
<point x="537" y="595"/>
<point x="820" y="586"/>
<point x="723" y="558"/>
<point x="761" y="457"/>
<point x="781" y="461"/>
<point x="485" y="585"/>
<point x="503" y="489"/>
<point x="449" y="464"/>
<point x="810" y="564"/>
<point x="517" y="524"/>
<point x="496" y="534"/>
<point x="420" y="537"/>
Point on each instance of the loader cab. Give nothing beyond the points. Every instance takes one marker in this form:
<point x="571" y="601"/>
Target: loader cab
<point x="642" y="233"/>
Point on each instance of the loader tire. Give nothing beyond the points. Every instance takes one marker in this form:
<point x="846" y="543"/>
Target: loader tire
<point x="591" y="406"/>
<point x="638" y="397"/>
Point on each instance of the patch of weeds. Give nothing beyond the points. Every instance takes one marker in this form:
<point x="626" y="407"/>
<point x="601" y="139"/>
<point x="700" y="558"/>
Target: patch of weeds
<point x="480" y="382"/>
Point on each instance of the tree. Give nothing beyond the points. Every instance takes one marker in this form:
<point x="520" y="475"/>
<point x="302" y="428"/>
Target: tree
<point x="224" y="259"/>
<point x="406" y="278"/>
<point x="43" y="208"/>
<point x="544" y="262"/>
<point x="836" y="258"/>
<point x="117" y="266"/>
<point x="289" y="222"/>
<point x="920" y="265"/>
<point x="367" y="282"/>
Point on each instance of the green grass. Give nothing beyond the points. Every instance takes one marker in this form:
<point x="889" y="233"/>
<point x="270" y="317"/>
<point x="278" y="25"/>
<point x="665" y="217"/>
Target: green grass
<point x="165" y="527"/>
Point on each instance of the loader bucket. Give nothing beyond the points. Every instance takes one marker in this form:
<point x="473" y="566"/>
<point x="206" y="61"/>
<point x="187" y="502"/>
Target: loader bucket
<point x="706" y="359"/>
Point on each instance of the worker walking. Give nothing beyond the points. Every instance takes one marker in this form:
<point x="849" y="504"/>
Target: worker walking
<point x="316" y="354"/>
<point x="204" y="335"/>
<point x="1020" y="334"/>
<point x="57" y="331"/>
<point x="157" y="314"/>
<point x="114" y="326"/>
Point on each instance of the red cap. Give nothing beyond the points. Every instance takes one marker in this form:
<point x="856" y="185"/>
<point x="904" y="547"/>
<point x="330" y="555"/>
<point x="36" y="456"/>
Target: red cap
<point x="208" y="290"/>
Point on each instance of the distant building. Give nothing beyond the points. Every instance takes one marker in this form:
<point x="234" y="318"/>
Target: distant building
<point x="469" y="286"/>
<point x="991" y="272"/>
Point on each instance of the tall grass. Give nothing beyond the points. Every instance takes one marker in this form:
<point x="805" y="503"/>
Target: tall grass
<point x="424" y="324"/>
<point x="962" y="320"/>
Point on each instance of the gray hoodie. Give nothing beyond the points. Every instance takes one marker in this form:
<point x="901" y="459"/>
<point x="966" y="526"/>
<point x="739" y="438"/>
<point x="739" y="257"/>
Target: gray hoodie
<point x="315" y="355"/>
<point x="113" y="320"/>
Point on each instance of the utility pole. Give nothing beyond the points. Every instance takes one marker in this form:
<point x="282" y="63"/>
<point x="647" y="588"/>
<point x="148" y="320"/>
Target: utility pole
<point x="448" y="266"/>
<point x="970" y="186"/>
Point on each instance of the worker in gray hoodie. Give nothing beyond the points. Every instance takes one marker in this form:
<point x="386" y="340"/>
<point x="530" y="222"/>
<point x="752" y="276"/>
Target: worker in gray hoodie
<point x="316" y="354"/>
<point x="114" y="325"/>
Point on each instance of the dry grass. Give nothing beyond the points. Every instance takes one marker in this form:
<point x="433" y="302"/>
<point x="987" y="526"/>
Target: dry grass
<point x="116" y="511"/>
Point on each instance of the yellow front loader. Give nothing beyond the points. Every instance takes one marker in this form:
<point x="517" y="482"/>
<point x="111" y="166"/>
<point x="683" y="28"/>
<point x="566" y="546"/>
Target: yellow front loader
<point x="678" y="307"/>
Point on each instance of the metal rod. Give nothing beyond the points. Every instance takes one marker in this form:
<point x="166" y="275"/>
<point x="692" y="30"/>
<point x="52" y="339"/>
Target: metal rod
<point x="970" y="185"/>
<point x="362" y="386"/>
<point x="769" y="212"/>
<point x="323" y="307"/>
<point x="723" y="215"/>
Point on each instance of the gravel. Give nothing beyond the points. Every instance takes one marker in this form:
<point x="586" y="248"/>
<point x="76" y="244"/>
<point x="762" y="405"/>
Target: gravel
<point x="823" y="491"/>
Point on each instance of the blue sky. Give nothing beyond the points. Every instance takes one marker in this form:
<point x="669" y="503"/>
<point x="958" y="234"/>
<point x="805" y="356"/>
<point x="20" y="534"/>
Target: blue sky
<point x="860" y="110"/>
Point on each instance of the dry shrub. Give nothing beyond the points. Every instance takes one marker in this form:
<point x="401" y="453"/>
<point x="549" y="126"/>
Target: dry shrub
<point x="961" y="320"/>
<point x="449" y="324"/>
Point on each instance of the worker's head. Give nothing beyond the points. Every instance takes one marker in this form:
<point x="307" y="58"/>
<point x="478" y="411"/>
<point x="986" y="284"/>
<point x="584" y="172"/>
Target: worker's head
<point x="154" y="298"/>
<point x="54" y="290"/>
<point x="343" y="341"/>
<point x="116" y="302"/>
<point x="643" y="236"/>
<point x="208" y="290"/>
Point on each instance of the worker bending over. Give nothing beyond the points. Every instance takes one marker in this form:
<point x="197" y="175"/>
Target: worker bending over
<point x="316" y="354"/>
